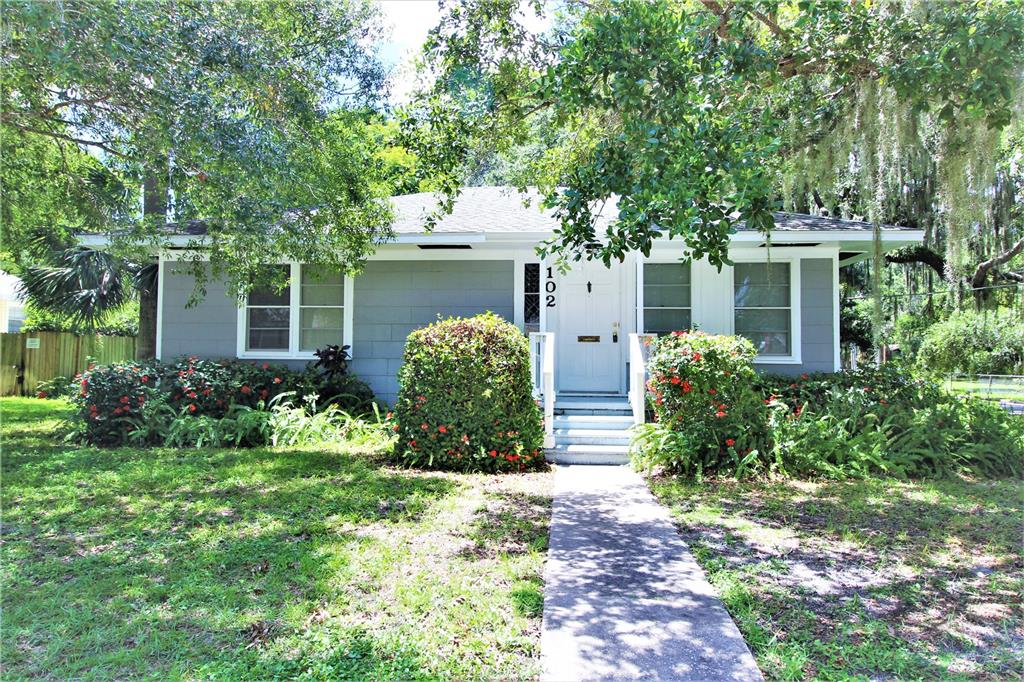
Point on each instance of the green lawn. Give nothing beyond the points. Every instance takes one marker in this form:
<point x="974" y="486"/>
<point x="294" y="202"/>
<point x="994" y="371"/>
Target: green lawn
<point x="253" y="564"/>
<point x="1003" y="389"/>
<point x="869" y="580"/>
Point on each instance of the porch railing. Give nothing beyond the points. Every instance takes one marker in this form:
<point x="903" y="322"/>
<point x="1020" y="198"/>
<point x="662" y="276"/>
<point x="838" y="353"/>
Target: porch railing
<point x="542" y="374"/>
<point x="638" y="376"/>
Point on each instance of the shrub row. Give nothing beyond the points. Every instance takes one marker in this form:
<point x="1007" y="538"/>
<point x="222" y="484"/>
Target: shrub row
<point x="114" y="401"/>
<point x="715" y="415"/>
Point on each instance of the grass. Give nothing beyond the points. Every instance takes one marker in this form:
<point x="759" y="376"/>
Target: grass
<point x="998" y="390"/>
<point x="864" y="580"/>
<point x="255" y="564"/>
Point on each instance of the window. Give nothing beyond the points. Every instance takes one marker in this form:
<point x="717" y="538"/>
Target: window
<point x="666" y="297"/>
<point x="313" y="312"/>
<point x="531" y="297"/>
<point x="268" y="319"/>
<point x="763" y="306"/>
<point x="321" y="308"/>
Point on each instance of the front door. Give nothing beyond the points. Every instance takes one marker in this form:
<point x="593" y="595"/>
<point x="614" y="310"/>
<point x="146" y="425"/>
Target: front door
<point x="589" y="338"/>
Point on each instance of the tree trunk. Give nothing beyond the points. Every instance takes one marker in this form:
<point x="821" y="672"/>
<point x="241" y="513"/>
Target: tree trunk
<point x="145" y="342"/>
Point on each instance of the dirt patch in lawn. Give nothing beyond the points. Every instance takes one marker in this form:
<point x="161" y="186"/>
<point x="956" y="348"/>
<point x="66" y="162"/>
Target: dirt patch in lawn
<point x="880" y="579"/>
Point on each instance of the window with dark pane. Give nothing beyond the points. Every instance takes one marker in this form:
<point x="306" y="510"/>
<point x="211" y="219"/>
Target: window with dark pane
<point x="762" y="306"/>
<point x="667" y="305"/>
<point x="268" y="318"/>
<point x="531" y="297"/>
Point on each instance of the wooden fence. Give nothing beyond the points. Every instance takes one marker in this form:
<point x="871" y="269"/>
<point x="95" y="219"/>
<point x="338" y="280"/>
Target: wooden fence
<point x="30" y="357"/>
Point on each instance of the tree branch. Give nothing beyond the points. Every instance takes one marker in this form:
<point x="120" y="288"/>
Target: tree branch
<point x="105" y="146"/>
<point x="981" y="272"/>
<point x="918" y="254"/>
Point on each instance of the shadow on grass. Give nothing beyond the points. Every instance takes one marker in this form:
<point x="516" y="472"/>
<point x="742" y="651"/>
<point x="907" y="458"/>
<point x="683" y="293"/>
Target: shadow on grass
<point x="123" y="563"/>
<point x="864" y="577"/>
<point x="511" y="523"/>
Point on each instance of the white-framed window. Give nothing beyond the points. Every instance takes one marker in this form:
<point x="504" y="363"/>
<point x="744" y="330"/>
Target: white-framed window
<point x="667" y="297"/>
<point x="313" y="311"/>
<point x="764" y="309"/>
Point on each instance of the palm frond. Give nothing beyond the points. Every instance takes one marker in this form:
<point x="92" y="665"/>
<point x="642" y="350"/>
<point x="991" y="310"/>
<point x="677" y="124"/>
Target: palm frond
<point x="84" y="286"/>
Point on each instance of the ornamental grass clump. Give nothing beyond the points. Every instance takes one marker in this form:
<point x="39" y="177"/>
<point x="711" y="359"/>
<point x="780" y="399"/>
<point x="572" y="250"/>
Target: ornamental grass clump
<point x="707" y="417"/>
<point x="465" y="401"/>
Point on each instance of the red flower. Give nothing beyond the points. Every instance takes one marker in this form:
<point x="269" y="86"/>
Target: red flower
<point x="442" y="429"/>
<point x="804" y="377"/>
<point x="117" y="410"/>
<point x="192" y="408"/>
<point x="676" y="380"/>
<point x="277" y="380"/>
<point x="696" y="357"/>
<point x="124" y="400"/>
<point x="712" y="391"/>
<point x="145" y="378"/>
<point x="412" y="443"/>
<point x="493" y="453"/>
<point x="686" y="387"/>
<point x="512" y="458"/>
<point x="720" y="414"/>
<point x="245" y="389"/>
<point x="41" y="394"/>
<point x="191" y="394"/>
<point x="206" y="391"/>
<point x="730" y="442"/>
<point x="395" y="427"/>
<point x="389" y="415"/>
<point x="265" y="366"/>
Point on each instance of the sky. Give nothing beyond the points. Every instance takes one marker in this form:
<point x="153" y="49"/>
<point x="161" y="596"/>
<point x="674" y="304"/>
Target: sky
<point x="409" y="21"/>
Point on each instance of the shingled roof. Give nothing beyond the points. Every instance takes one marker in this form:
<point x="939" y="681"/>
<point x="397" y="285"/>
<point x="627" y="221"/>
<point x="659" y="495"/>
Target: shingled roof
<point x="506" y="210"/>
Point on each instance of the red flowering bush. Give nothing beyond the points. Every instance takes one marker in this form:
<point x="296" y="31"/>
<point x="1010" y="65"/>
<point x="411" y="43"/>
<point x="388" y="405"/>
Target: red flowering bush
<point x="140" y="401"/>
<point x="465" y="401"/>
<point x="707" y="416"/>
<point x="109" y="397"/>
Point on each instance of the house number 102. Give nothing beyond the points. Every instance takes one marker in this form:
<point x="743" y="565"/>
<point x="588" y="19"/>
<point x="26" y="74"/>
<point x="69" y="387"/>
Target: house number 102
<point x="549" y="287"/>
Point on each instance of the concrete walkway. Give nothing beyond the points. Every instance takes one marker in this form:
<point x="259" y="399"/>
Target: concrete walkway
<point x="624" y="599"/>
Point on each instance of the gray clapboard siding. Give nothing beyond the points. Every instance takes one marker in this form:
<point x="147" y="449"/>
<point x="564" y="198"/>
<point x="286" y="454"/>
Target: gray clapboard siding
<point x="817" y="319"/>
<point x="391" y="298"/>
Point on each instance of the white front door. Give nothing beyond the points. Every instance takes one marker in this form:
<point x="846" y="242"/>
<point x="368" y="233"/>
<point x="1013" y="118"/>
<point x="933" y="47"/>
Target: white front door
<point x="589" y="338"/>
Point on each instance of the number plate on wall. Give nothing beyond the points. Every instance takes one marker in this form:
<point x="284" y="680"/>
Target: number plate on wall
<point x="588" y="339"/>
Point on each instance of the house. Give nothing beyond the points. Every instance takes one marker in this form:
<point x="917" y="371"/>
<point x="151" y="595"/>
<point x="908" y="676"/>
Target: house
<point x="12" y="304"/>
<point x="482" y="257"/>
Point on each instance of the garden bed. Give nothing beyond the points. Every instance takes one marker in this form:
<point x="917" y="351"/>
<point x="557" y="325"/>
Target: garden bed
<point x="259" y="563"/>
<point x="873" y="579"/>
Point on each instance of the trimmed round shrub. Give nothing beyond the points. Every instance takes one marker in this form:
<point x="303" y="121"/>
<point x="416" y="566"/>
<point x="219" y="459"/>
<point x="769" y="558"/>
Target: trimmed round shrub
<point x="465" y="402"/>
<point x="708" y="418"/>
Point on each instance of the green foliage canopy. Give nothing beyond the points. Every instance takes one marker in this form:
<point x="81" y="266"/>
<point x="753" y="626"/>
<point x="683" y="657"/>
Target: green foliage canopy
<point x="684" y="111"/>
<point x="246" y="115"/>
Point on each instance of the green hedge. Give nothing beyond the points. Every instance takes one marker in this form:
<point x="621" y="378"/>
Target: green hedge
<point x="850" y="424"/>
<point x="465" y="401"/>
<point x="136" y="401"/>
<point x="974" y="343"/>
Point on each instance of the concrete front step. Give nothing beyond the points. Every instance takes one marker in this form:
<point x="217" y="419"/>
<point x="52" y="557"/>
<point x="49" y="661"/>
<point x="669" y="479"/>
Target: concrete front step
<point x="606" y="422"/>
<point x="576" y="453"/>
<point x="592" y="436"/>
<point x="592" y="404"/>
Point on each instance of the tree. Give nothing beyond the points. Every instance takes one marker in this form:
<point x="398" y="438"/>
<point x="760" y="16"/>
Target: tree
<point x="687" y="113"/>
<point x="247" y="115"/>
